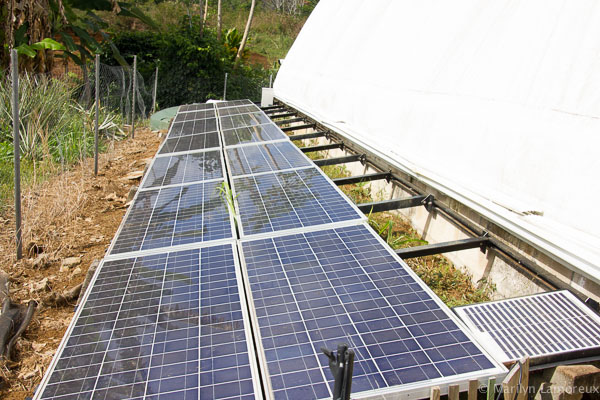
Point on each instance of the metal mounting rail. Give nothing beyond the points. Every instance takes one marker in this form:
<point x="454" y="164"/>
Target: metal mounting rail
<point x="297" y="127"/>
<point x="289" y="121"/>
<point x="394" y="204"/>
<point x="271" y="108"/>
<point x="535" y="272"/>
<point x="312" y="135"/>
<point x="363" y="178"/>
<point x="283" y="115"/>
<point x="445" y="247"/>
<point x="340" y="160"/>
<point x="322" y="147"/>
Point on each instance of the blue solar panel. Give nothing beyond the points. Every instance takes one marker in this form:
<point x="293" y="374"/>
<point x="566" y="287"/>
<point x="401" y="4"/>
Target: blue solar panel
<point x="319" y="289"/>
<point x="540" y="325"/>
<point x="192" y="127"/>
<point x="244" y="120"/>
<point x="196" y="107"/>
<point x="174" y="216"/>
<point x="246" y="160"/>
<point x="288" y="200"/>
<point x="165" y="326"/>
<point x="245" y="109"/>
<point x="258" y="133"/>
<point x="184" y="168"/>
<point x="233" y="103"/>
<point x="194" y="115"/>
<point x="190" y="143"/>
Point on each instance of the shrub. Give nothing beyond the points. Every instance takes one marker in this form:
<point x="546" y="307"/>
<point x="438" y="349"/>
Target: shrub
<point x="192" y="66"/>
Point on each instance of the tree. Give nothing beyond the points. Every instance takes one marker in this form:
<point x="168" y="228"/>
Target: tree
<point x="219" y="21"/>
<point x="28" y="23"/>
<point x="246" y="32"/>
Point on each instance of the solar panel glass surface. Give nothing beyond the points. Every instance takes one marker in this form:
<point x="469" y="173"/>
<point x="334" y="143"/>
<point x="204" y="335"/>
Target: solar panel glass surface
<point x="289" y="200"/>
<point x="163" y="326"/>
<point x="174" y="216"/>
<point x="190" y="143"/>
<point x="184" y="168"/>
<point x="246" y="160"/>
<point x="322" y="288"/>
<point x="534" y="326"/>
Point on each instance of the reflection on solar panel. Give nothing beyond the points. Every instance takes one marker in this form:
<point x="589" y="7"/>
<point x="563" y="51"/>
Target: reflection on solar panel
<point x="246" y="160"/>
<point x="244" y="120"/>
<point x="174" y="216"/>
<point x="534" y="326"/>
<point x="258" y="133"/>
<point x="184" y="168"/>
<point x="196" y="107"/>
<point x="164" y="326"/>
<point x="190" y="143"/>
<point x="239" y="110"/>
<point x="233" y="103"/>
<point x="194" y="116"/>
<point x="193" y="127"/>
<point x="288" y="200"/>
<point x="344" y="285"/>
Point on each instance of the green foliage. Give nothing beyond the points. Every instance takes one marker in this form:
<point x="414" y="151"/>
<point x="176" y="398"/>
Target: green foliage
<point x="46" y="44"/>
<point x="53" y="127"/>
<point x="192" y="64"/>
<point x="226" y="194"/>
<point x="232" y="41"/>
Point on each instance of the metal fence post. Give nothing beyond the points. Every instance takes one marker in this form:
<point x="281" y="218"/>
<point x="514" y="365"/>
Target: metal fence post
<point x="225" y="88"/>
<point x="17" y="151"/>
<point x="97" y="73"/>
<point x="134" y="84"/>
<point x="271" y="81"/>
<point x="154" y="91"/>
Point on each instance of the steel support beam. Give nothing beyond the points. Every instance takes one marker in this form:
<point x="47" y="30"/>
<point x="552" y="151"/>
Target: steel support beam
<point x="394" y="204"/>
<point x="288" y="121"/>
<point x="284" y="115"/>
<point x="340" y="160"/>
<point x="274" y="107"/>
<point x="363" y="178"/>
<point x="308" y="136"/>
<point x="297" y="127"/>
<point x="445" y="247"/>
<point x="322" y="147"/>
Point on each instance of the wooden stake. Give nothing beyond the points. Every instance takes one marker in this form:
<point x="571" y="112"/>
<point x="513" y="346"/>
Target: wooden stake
<point x="453" y="392"/>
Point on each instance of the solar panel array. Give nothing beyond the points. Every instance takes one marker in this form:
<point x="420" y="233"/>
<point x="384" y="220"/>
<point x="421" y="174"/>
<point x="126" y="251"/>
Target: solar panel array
<point x="540" y="325"/>
<point x="166" y="315"/>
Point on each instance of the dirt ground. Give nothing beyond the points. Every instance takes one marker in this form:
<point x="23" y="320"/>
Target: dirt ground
<point x="73" y="215"/>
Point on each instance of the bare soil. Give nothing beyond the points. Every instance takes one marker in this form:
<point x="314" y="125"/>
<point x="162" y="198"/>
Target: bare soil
<point x="74" y="214"/>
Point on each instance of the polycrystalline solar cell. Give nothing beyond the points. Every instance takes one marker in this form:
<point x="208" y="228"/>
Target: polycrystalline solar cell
<point x="170" y="325"/>
<point x="288" y="200"/>
<point x="184" y="168"/>
<point x="322" y="288"/>
<point x="244" y="120"/>
<point x="534" y="326"/>
<point x="239" y="110"/>
<point x="196" y="107"/>
<point x="190" y="143"/>
<point x="174" y="216"/>
<point x="193" y="127"/>
<point x="233" y="103"/>
<point x="259" y="133"/>
<point x="246" y="160"/>
<point x="195" y="115"/>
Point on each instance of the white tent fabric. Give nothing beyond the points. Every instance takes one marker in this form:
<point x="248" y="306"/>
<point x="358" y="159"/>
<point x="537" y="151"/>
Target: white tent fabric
<point x="497" y="103"/>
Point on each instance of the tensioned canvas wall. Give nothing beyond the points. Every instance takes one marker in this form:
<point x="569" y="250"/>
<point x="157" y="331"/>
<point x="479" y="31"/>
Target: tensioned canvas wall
<point x="495" y="102"/>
